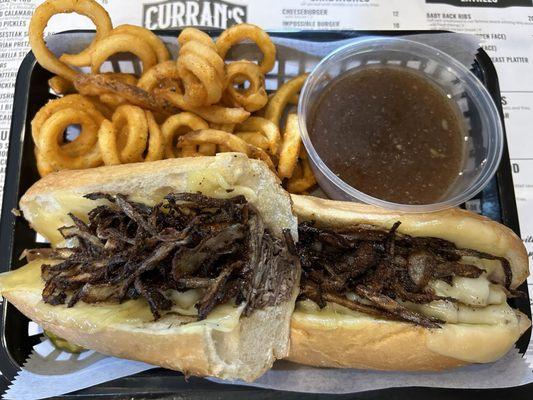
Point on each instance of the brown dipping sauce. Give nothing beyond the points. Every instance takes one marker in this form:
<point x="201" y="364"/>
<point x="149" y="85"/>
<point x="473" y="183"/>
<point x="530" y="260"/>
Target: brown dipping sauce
<point x="390" y="133"/>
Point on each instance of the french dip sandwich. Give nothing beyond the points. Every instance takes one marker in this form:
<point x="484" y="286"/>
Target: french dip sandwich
<point x="185" y="263"/>
<point x="393" y="291"/>
<point x="194" y="264"/>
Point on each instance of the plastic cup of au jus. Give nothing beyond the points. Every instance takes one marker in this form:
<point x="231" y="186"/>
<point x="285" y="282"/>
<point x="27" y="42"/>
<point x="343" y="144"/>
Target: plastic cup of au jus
<point x="482" y="133"/>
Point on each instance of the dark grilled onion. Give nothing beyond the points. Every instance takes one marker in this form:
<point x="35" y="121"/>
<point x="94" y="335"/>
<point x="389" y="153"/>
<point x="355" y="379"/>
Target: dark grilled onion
<point x="127" y="250"/>
<point x="384" y="268"/>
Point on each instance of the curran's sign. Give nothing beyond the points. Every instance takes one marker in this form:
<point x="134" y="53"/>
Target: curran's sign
<point x="173" y="14"/>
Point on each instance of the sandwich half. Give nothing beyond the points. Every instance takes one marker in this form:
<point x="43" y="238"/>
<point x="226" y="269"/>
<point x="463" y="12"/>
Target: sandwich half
<point x="185" y="263"/>
<point x="394" y="291"/>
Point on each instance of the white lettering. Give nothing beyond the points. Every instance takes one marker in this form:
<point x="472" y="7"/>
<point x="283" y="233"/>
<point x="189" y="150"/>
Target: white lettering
<point x="207" y="18"/>
<point x="220" y="17"/>
<point x="193" y="9"/>
<point x="178" y="11"/>
<point x="238" y="13"/>
<point x="163" y="19"/>
<point x="150" y="12"/>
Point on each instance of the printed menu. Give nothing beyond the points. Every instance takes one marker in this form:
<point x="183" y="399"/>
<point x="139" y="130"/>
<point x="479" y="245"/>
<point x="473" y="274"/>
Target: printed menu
<point x="504" y="29"/>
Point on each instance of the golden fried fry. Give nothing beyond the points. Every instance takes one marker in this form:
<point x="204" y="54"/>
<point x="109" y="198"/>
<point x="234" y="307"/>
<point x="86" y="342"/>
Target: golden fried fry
<point x="255" y="138"/>
<point x="252" y="98"/>
<point x="109" y="146"/>
<point x="267" y="128"/>
<point x="42" y="15"/>
<point x="181" y="124"/>
<point x="87" y="137"/>
<point x="43" y="167"/>
<point x="290" y="147"/>
<point x="200" y="67"/>
<point x="221" y="127"/>
<point x="104" y="109"/>
<point x="294" y="99"/>
<point x="162" y="71"/>
<point x="303" y="178"/>
<point x="213" y="113"/>
<point x="63" y="157"/>
<point x="156" y="140"/>
<point x="124" y="139"/>
<point x="121" y="43"/>
<point x="132" y="132"/>
<point x="241" y="32"/>
<point x="232" y="142"/>
<point x="145" y="35"/>
<point x="107" y="141"/>
<point x="279" y="101"/>
<point x="196" y="35"/>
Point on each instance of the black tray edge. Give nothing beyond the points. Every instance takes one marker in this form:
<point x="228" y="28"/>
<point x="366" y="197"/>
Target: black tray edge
<point x="10" y="197"/>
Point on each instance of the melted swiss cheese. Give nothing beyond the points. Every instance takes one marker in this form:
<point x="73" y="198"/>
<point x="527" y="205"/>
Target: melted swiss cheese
<point x="94" y="317"/>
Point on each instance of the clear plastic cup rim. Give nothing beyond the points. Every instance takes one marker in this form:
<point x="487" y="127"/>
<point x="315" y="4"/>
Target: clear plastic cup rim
<point x="489" y="113"/>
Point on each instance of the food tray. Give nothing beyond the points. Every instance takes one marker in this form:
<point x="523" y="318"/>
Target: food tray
<point x="31" y="92"/>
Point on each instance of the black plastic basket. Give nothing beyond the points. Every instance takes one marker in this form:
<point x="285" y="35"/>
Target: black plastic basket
<point x="31" y="92"/>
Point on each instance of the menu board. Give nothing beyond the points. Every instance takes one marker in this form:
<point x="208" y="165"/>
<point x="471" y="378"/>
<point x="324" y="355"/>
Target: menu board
<point x="504" y="29"/>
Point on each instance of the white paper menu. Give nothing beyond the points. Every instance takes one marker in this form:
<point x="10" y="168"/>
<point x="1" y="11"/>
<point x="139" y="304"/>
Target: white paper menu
<point x="504" y="27"/>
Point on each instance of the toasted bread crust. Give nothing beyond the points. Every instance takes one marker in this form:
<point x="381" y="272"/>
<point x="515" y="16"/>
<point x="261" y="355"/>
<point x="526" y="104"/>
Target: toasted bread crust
<point x="340" y="341"/>
<point x="200" y="352"/>
<point x="369" y="345"/>
<point x="156" y="179"/>
<point x="248" y="349"/>
<point x="396" y="346"/>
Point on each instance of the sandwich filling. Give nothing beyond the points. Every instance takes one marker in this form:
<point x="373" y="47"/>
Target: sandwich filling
<point x="423" y="280"/>
<point x="218" y="249"/>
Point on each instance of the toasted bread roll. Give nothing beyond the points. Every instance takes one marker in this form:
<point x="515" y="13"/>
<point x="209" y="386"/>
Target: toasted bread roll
<point x="228" y="343"/>
<point x="335" y="336"/>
